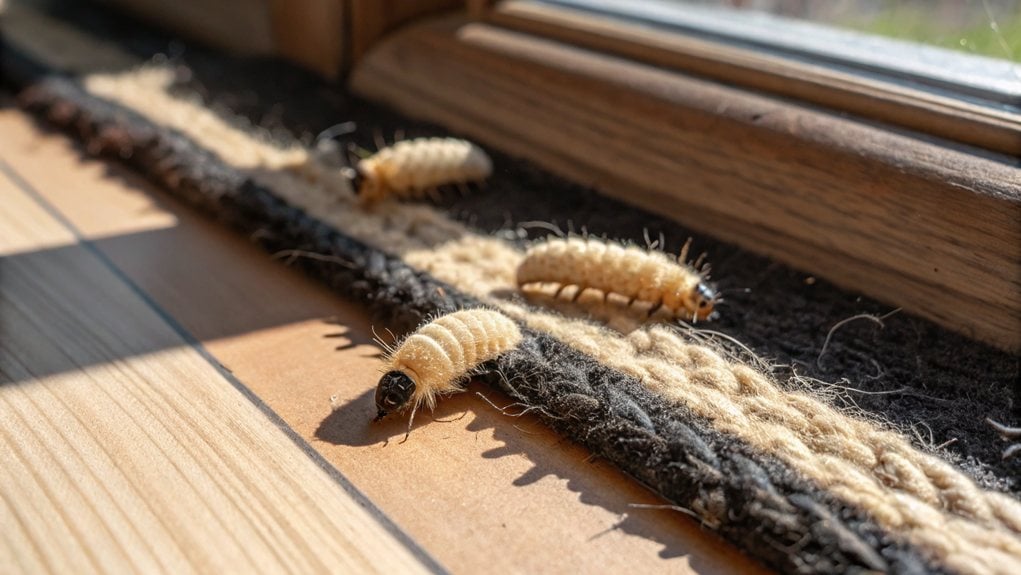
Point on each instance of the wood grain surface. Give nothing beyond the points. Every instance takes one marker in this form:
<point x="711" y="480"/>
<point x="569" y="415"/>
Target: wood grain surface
<point x="124" y="449"/>
<point x="916" y="223"/>
<point x="476" y="488"/>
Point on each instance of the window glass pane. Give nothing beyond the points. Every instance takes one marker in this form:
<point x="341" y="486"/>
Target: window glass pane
<point x="987" y="27"/>
<point x="966" y="48"/>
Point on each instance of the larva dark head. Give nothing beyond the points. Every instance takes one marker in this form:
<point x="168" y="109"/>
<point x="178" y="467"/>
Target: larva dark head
<point x="369" y="183"/>
<point x="355" y="176"/>
<point x="393" y="392"/>
<point x="703" y="300"/>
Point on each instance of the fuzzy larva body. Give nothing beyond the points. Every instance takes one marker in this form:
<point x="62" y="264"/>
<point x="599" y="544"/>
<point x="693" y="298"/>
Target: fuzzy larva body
<point x="411" y="168"/>
<point x="438" y="357"/>
<point x="638" y="274"/>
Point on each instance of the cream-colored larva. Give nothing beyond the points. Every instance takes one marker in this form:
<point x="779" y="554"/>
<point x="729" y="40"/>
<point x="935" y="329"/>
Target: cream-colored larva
<point x="412" y="168"/>
<point x="639" y="274"/>
<point x="439" y="356"/>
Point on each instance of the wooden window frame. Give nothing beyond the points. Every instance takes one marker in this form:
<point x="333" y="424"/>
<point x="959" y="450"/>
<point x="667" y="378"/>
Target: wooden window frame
<point x="942" y="115"/>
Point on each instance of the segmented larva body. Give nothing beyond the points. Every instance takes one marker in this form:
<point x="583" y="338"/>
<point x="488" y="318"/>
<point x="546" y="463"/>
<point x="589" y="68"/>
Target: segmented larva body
<point x="411" y="168"/>
<point x="438" y="357"/>
<point x="638" y="274"/>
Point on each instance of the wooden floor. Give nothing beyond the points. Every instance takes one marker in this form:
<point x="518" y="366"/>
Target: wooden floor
<point x="173" y="399"/>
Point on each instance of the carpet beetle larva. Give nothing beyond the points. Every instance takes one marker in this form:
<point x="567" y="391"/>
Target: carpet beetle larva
<point x="639" y="274"/>
<point x="439" y="356"/>
<point x="411" y="168"/>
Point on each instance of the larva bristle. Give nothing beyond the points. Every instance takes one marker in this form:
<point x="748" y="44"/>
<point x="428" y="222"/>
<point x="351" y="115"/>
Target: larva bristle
<point x="412" y="168"/>
<point x="549" y="226"/>
<point x="699" y="260"/>
<point x="388" y="348"/>
<point x="638" y="274"/>
<point x="682" y="258"/>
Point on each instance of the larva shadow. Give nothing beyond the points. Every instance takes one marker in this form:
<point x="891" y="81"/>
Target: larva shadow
<point x="347" y="338"/>
<point x="596" y="482"/>
<point x="481" y="411"/>
<point x="476" y="447"/>
<point x="351" y="424"/>
<point x="611" y="310"/>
